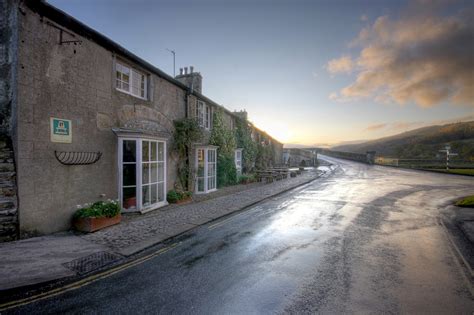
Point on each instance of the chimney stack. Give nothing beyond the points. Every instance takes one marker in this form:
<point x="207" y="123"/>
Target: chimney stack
<point x="191" y="79"/>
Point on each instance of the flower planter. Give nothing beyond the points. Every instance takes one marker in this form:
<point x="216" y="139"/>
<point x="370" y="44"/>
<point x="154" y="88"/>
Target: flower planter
<point x="184" y="201"/>
<point x="94" y="224"/>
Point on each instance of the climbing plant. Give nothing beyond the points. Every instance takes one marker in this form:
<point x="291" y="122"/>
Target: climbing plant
<point x="224" y="138"/>
<point x="264" y="157"/>
<point x="243" y="136"/>
<point x="187" y="132"/>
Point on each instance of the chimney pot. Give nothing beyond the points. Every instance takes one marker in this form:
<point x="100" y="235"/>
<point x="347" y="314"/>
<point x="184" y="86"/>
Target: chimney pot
<point x="191" y="69"/>
<point x="185" y="70"/>
<point x="180" y="71"/>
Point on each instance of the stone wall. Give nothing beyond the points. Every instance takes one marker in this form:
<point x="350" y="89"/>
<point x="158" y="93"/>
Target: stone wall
<point x="8" y="71"/>
<point x="368" y="158"/>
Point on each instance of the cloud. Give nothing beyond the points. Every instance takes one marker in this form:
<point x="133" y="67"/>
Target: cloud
<point x="333" y="96"/>
<point x="343" y="64"/>
<point x="363" y="18"/>
<point x="375" y="127"/>
<point x="422" y="58"/>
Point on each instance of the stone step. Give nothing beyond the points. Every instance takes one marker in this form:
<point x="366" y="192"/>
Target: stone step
<point x="7" y="183"/>
<point x="8" y="212"/>
<point x="9" y="191"/>
<point x="7" y="176"/>
<point x="7" y="167"/>
<point x="7" y="220"/>
<point x="7" y="203"/>
<point x="6" y="152"/>
<point x="8" y="231"/>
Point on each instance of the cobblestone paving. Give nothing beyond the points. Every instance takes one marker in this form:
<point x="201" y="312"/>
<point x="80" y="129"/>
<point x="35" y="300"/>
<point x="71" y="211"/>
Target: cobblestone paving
<point x="169" y="221"/>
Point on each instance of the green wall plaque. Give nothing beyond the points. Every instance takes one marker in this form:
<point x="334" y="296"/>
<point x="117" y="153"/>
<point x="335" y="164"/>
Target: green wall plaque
<point x="61" y="130"/>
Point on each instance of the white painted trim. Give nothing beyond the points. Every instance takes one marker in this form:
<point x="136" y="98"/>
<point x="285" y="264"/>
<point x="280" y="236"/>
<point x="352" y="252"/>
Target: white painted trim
<point x="206" y="150"/>
<point x="129" y="92"/>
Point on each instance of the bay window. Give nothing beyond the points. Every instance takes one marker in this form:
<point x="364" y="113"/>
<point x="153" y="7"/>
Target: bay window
<point x="142" y="174"/>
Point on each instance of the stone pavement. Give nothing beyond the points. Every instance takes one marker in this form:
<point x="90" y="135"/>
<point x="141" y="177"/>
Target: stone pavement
<point x="62" y="255"/>
<point x="143" y="231"/>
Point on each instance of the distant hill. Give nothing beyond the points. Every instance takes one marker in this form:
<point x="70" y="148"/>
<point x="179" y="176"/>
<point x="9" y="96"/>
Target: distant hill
<point x="423" y="143"/>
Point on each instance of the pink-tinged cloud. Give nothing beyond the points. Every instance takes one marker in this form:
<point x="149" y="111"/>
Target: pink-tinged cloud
<point x="424" y="58"/>
<point x="375" y="127"/>
<point x="343" y="64"/>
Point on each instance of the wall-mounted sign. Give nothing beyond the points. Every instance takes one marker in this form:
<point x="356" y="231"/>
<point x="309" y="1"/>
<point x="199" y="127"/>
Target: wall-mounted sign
<point x="61" y="130"/>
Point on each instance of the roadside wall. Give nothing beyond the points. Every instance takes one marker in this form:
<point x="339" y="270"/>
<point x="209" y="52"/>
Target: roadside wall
<point x="368" y="158"/>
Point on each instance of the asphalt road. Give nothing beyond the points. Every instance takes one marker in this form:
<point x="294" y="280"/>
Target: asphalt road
<point x="362" y="239"/>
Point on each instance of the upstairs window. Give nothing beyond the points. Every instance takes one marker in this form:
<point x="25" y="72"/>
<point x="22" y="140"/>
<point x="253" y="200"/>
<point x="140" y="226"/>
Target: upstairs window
<point x="130" y="81"/>
<point x="203" y="115"/>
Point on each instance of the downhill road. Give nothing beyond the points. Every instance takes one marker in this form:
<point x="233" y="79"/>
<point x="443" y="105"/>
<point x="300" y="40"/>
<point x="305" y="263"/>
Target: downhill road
<point x="361" y="239"/>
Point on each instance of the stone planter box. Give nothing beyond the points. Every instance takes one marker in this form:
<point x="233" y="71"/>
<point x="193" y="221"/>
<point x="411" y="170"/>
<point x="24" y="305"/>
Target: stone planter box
<point x="94" y="224"/>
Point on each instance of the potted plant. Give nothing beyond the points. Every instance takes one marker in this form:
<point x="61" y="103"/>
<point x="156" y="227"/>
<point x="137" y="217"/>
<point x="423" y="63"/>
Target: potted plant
<point x="97" y="216"/>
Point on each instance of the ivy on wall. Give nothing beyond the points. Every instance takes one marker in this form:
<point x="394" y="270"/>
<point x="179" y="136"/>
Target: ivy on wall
<point x="265" y="156"/>
<point x="243" y="136"/>
<point x="224" y="138"/>
<point x="187" y="132"/>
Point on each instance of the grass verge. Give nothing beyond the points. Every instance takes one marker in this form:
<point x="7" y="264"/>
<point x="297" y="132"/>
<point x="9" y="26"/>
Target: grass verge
<point x="466" y="202"/>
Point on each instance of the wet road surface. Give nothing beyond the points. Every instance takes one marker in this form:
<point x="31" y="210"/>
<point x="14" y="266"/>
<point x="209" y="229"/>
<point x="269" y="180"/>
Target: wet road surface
<point x="361" y="239"/>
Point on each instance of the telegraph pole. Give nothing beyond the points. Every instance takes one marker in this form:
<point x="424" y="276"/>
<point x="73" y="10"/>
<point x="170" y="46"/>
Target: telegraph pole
<point x="174" y="61"/>
<point x="448" y="154"/>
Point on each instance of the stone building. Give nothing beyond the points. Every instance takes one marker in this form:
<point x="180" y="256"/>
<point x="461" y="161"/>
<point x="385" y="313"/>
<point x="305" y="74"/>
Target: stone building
<point x="72" y="96"/>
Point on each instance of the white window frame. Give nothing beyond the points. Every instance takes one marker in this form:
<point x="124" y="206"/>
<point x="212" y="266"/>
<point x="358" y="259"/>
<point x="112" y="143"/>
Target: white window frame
<point x="138" y="171"/>
<point x="133" y="72"/>
<point x="238" y="162"/>
<point x="203" y="115"/>
<point x="206" y="177"/>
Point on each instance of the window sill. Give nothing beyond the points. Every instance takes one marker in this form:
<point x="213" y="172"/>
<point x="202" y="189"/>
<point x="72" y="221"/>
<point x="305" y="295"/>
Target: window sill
<point x="133" y="95"/>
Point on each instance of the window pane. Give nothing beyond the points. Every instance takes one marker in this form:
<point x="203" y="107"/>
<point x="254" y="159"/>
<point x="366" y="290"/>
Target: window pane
<point x="161" y="151"/>
<point x="129" y="198"/>
<point x="129" y="150"/>
<point x="135" y="91"/>
<point x="161" y="171"/>
<point x="129" y="175"/>
<point x="145" y="173"/>
<point x="146" y="196"/>
<point x="125" y="87"/>
<point x="201" y="184"/>
<point x="161" y="192"/>
<point x="154" y="172"/>
<point x="154" y="193"/>
<point x="153" y="151"/>
<point x="145" y="151"/>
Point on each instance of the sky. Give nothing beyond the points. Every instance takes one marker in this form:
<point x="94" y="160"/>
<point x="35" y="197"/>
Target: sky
<point x="309" y="72"/>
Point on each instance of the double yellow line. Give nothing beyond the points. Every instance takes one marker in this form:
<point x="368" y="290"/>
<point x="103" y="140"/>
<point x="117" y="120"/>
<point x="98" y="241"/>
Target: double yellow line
<point x="83" y="282"/>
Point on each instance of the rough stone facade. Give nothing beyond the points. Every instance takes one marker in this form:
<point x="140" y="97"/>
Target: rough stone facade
<point x="8" y="99"/>
<point x="67" y="71"/>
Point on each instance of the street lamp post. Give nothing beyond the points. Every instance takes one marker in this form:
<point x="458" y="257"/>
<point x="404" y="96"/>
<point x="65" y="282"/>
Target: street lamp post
<point x="448" y="154"/>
